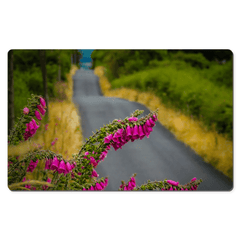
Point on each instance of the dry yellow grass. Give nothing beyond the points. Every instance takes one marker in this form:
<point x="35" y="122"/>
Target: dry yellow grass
<point x="215" y="149"/>
<point x="64" y="124"/>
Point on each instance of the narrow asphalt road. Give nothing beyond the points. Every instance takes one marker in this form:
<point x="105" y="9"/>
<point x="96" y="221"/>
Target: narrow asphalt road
<point x="158" y="157"/>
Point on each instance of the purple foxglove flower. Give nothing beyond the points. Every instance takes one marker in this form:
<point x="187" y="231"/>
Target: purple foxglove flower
<point x="171" y="189"/>
<point x="27" y="129"/>
<point x="93" y="161"/>
<point x="123" y="137"/>
<point x="55" y="164"/>
<point x="79" y="173"/>
<point x="38" y="116"/>
<point x="131" y="119"/>
<point x="103" y="155"/>
<point x="116" y="137"/>
<point x="84" y="189"/>
<point x="120" y="131"/>
<point x="25" y="111"/>
<point x="194" y="179"/>
<point x="86" y="153"/>
<point x="42" y="111"/>
<point x="27" y="186"/>
<point x="91" y="188"/>
<point x="74" y="165"/>
<point x="134" y="138"/>
<point x="133" y="179"/>
<point x="147" y="133"/>
<point x="141" y="134"/>
<point x="42" y="102"/>
<point x="129" y="131"/>
<point x="119" y="145"/>
<point x="102" y="184"/>
<point x="27" y="135"/>
<point x="140" y="131"/>
<point x="31" y="128"/>
<point x="135" y="131"/>
<point x="152" y="122"/>
<point x="149" y="129"/>
<point x="98" y="186"/>
<point x="106" y="181"/>
<point x="62" y="167"/>
<point x="94" y="173"/>
<point x="32" y="166"/>
<point x="68" y="167"/>
<point x="106" y="140"/>
<point x="148" y="123"/>
<point x="110" y="137"/>
<point x="133" y="184"/>
<point x="128" y="138"/>
<point x="115" y="146"/>
<point x="154" y="118"/>
<point x="172" y="182"/>
<point x="48" y="164"/>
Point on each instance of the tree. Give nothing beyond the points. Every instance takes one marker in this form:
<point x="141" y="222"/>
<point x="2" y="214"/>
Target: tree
<point x="10" y="91"/>
<point x="42" y="55"/>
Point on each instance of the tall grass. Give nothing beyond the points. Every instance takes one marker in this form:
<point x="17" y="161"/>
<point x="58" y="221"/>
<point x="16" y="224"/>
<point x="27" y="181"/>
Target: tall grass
<point x="214" y="148"/>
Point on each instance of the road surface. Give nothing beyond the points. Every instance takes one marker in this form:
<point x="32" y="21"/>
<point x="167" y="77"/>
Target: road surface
<point x="158" y="157"/>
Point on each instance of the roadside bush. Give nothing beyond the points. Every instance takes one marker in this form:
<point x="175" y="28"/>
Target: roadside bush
<point x="125" y="62"/>
<point x="194" y="59"/>
<point x="220" y="74"/>
<point x="188" y="91"/>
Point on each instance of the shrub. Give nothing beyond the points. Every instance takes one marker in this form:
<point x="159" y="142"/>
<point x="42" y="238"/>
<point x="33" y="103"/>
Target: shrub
<point x="188" y="91"/>
<point x="194" y="59"/>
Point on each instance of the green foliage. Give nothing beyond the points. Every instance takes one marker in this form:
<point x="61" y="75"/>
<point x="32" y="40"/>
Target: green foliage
<point x="188" y="91"/>
<point x="195" y="59"/>
<point x="21" y="94"/>
<point x="220" y="74"/>
<point x="28" y="76"/>
<point x="125" y="62"/>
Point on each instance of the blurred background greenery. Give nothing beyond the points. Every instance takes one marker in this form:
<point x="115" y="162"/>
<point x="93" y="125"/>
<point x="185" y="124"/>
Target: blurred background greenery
<point x="197" y="82"/>
<point x="27" y="74"/>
